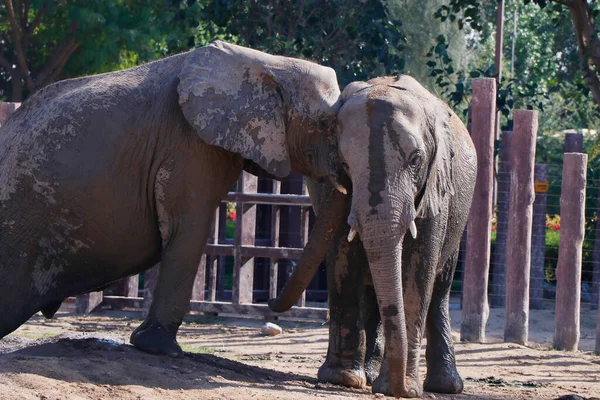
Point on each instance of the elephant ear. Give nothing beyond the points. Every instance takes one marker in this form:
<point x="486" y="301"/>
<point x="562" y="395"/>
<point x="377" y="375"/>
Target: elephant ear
<point x="352" y="88"/>
<point x="439" y="176"/>
<point x="233" y="98"/>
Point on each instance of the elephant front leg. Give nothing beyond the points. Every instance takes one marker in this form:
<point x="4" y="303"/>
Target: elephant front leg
<point x="185" y="205"/>
<point x="344" y="364"/>
<point x="442" y="376"/>
<point x="170" y="303"/>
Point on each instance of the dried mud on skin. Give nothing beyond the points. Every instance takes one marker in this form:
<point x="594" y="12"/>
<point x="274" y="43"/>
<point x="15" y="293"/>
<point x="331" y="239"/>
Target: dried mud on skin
<point x="74" y="357"/>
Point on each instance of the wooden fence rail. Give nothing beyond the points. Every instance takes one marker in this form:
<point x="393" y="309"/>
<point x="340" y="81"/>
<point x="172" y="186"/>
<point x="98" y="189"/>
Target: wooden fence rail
<point x="243" y="249"/>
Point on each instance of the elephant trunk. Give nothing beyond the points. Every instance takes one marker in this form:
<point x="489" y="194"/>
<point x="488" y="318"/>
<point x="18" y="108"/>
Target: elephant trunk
<point x="332" y="213"/>
<point x="384" y="252"/>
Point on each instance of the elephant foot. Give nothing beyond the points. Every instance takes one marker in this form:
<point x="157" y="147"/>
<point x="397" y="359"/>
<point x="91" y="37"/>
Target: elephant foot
<point x="444" y="382"/>
<point x="354" y="378"/>
<point x="412" y="387"/>
<point x="372" y="368"/>
<point x="155" y="339"/>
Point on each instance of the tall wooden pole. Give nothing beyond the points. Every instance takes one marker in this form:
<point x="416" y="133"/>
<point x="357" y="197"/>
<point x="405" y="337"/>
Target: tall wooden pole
<point x="568" y="271"/>
<point x="475" y="304"/>
<point x="518" y="247"/>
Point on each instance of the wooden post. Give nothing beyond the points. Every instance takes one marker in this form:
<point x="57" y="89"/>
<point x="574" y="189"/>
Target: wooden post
<point x="130" y="286"/>
<point x="275" y="226"/>
<point x="245" y="231"/>
<point x="597" y="350"/>
<point x="573" y="142"/>
<point x="596" y="257"/>
<point x="475" y="304"/>
<point x="538" y="238"/>
<point x="86" y="303"/>
<point x="568" y="271"/>
<point x="213" y="262"/>
<point x="6" y="110"/>
<point x="127" y="287"/>
<point x="518" y="247"/>
<point x="304" y="231"/>
<point x="150" y="278"/>
<point x="205" y="262"/>
<point x="221" y="272"/>
<point x="498" y="276"/>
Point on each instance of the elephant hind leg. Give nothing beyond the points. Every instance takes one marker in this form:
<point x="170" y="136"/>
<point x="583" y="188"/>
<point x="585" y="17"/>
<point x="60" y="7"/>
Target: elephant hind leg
<point x="344" y="364"/>
<point x="374" y="332"/>
<point x="442" y="375"/>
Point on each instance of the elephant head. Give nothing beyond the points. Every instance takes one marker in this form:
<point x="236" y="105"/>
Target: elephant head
<point x="278" y="113"/>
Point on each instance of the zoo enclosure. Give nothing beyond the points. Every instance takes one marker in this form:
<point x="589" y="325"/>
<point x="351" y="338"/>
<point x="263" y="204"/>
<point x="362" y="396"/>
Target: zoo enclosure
<point x="271" y="229"/>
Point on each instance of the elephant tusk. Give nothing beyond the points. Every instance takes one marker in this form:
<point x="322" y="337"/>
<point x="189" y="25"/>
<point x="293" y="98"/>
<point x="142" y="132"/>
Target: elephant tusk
<point x="337" y="185"/>
<point x="413" y="229"/>
<point x="351" y="235"/>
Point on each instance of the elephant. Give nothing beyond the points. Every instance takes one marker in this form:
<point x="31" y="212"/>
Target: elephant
<point x="102" y="177"/>
<point x="412" y="167"/>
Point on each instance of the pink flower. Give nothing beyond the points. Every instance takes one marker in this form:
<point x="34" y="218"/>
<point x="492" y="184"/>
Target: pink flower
<point x="231" y="216"/>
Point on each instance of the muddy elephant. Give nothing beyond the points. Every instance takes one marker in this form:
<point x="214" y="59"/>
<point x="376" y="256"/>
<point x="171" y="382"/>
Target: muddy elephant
<point x="412" y="167"/>
<point x="102" y="177"/>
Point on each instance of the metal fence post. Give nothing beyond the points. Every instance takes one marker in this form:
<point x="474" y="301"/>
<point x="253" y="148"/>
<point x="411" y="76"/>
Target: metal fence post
<point x="573" y="142"/>
<point x="597" y="350"/>
<point x="475" y="310"/>
<point x="538" y="238"/>
<point x="568" y="271"/>
<point x="498" y="276"/>
<point x="518" y="247"/>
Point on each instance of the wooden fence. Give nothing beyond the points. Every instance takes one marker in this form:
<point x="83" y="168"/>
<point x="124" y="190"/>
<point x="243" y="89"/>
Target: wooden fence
<point x="517" y="277"/>
<point x="524" y="197"/>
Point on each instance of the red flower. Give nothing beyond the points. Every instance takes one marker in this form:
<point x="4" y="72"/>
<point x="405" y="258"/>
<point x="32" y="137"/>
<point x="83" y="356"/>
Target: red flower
<point x="231" y="216"/>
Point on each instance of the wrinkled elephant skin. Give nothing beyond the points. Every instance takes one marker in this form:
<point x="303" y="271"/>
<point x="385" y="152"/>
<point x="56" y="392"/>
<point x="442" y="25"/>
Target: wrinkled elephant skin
<point x="104" y="176"/>
<point x="412" y="165"/>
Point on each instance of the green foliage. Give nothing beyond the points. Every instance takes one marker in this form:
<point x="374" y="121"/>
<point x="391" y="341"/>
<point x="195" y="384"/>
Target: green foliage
<point x="359" y="39"/>
<point x="79" y="37"/>
<point x="544" y="73"/>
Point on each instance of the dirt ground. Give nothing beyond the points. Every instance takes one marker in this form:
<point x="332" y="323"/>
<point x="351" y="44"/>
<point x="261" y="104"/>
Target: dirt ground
<point x="88" y="357"/>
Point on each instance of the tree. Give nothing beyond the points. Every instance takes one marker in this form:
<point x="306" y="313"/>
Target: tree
<point x="472" y="14"/>
<point x="358" y="38"/>
<point x="42" y="40"/>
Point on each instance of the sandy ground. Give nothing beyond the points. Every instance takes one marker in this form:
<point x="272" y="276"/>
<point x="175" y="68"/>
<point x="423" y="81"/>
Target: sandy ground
<point x="75" y="357"/>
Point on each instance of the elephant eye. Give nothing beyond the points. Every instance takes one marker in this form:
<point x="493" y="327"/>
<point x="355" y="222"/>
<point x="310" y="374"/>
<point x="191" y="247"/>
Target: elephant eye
<point x="346" y="167"/>
<point x="415" y="159"/>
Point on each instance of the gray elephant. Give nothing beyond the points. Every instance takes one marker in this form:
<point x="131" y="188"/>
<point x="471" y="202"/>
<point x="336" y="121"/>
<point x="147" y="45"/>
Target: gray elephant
<point x="412" y="166"/>
<point x="104" y="176"/>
